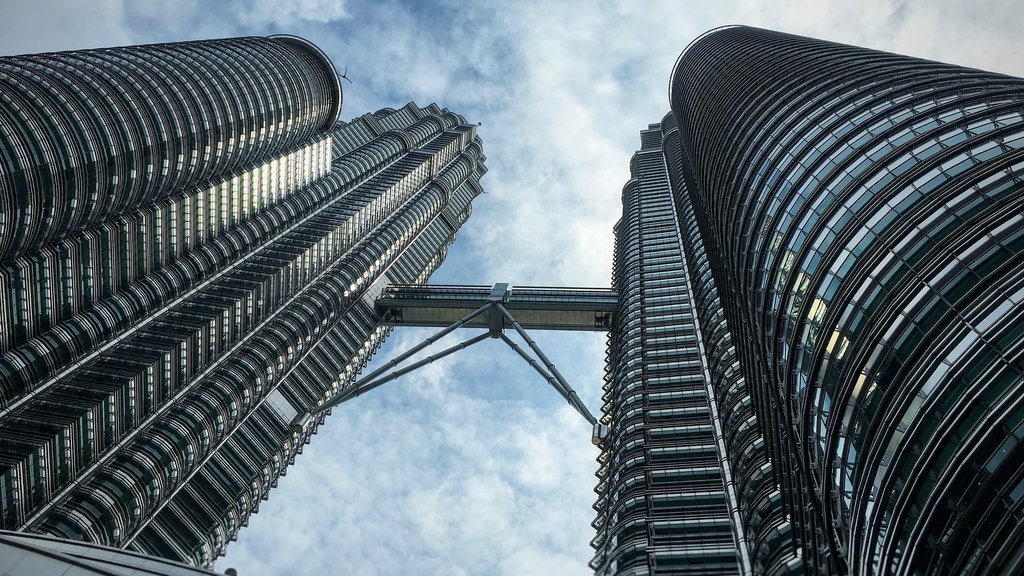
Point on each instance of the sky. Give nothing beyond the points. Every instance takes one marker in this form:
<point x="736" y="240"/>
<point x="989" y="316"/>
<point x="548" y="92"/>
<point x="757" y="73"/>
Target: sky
<point x="475" y="465"/>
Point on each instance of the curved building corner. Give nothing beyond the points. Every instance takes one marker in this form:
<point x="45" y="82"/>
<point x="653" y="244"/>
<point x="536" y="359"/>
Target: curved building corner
<point x="862" y="219"/>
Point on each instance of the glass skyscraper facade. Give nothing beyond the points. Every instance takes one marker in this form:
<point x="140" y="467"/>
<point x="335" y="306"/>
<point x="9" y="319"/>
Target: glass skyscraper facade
<point x="851" y="224"/>
<point x="189" y="238"/>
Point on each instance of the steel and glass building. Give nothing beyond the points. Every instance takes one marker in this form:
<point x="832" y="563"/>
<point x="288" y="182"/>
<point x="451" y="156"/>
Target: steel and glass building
<point x="820" y="267"/>
<point x="189" y="244"/>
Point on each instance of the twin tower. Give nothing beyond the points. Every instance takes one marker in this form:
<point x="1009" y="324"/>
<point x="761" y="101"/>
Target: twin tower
<point x="816" y="323"/>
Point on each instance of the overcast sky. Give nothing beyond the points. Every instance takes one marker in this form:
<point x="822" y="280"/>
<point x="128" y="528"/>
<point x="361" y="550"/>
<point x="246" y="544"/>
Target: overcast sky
<point x="475" y="466"/>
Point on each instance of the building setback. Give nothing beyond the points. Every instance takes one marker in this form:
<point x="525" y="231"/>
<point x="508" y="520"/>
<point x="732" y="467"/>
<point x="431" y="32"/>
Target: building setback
<point x="187" y="239"/>
<point x="852" y="230"/>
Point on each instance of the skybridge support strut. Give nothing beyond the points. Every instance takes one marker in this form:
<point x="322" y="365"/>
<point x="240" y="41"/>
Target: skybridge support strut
<point x="563" y="387"/>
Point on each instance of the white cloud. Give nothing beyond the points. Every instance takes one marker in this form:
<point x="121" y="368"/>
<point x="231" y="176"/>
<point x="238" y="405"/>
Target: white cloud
<point x="562" y="90"/>
<point x="474" y="465"/>
<point x="421" y="476"/>
<point x="260" y="13"/>
<point x="29" y="26"/>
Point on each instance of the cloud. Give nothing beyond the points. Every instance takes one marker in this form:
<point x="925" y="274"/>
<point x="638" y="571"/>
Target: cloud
<point x="261" y="13"/>
<point x="504" y="470"/>
<point x="51" y="25"/>
<point x="474" y="465"/>
<point x="422" y="476"/>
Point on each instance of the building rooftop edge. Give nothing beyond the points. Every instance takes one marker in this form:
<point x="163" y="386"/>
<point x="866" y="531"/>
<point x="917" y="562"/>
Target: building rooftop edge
<point x="332" y="71"/>
<point x="687" y="49"/>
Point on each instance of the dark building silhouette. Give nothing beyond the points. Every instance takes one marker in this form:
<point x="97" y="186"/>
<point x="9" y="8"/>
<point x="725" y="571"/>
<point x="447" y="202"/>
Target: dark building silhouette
<point x="189" y="245"/>
<point x="851" y="299"/>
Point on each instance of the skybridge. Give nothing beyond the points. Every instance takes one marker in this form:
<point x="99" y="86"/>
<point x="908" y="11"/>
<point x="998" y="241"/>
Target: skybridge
<point x="534" y="307"/>
<point x="493" y="309"/>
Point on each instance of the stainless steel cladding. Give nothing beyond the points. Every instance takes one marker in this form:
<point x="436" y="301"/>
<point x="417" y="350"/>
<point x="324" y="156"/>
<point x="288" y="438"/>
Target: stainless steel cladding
<point x="187" y="234"/>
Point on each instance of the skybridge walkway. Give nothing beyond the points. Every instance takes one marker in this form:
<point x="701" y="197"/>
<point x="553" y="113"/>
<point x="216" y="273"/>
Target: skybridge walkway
<point x="534" y="307"/>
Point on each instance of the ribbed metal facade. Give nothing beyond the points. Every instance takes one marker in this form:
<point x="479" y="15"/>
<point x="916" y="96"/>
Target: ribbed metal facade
<point x="853" y="223"/>
<point x="171" y="311"/>
<point x="664" y="498"/>
<point x="88" y="136"/>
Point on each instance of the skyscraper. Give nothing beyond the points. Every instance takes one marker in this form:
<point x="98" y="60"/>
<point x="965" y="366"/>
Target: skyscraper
<point x="849" y="300"/>
<point x="189" y="245"/>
